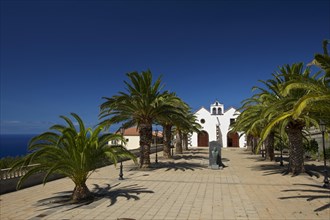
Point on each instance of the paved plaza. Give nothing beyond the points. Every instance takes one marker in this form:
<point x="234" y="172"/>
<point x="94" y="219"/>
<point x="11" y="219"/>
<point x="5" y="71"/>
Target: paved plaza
<point x="181" y="188"/>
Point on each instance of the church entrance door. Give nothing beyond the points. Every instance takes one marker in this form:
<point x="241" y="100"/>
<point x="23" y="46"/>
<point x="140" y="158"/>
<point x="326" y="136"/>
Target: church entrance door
<point x="232" y="139"/>
<point x="203" y="139"/>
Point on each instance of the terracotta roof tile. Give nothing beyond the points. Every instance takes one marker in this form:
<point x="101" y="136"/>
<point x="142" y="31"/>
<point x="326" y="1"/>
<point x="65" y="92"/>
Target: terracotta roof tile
<point x="133" y="131"/>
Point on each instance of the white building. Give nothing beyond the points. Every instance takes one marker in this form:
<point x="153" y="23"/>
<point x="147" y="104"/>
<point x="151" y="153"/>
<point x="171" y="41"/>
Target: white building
<point x="215" y="126"/>
<point x="132" y="138"/>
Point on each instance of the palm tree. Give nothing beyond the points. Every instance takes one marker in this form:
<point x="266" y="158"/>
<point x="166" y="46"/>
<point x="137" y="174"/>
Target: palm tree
<point x="141" y="106"/>
<point x="171" y="119"/>
<point x="281" y="113"/>
<point x="183" y="128"/>
<point x="251" y="121"/>
<point x="71" y="152"/>
<point x="167" y="135"/>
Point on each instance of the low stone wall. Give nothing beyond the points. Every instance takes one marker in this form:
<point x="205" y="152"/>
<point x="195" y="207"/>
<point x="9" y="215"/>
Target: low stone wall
<point x="9" y="180"/>
<point x="9" y="185"/>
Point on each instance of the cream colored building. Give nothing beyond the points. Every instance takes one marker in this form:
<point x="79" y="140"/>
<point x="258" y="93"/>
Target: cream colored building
<point x="132" y="138"/>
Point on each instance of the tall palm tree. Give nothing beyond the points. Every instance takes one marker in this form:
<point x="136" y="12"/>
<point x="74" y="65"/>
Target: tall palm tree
<point x="251" y="121"/>
<point x="141" y="105"/>
<point x="167" y="134"/>
<point x="281" y="112"/>
<point x="72" y="152"/>
<point x="183" y="128"/>
<point x="171" y="119"/>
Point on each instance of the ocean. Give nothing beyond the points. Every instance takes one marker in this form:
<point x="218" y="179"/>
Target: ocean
<point x="14" y="144"/>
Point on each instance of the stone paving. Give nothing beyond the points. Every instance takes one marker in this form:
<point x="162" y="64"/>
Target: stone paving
<point x="181" y="188"/>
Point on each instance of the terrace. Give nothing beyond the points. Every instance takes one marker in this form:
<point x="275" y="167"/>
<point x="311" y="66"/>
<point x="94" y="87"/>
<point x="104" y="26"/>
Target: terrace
<point x="181" y="188"/>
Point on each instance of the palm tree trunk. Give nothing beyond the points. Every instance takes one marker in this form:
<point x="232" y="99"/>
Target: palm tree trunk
<point x="145" y="131"/>
<point x="80" y="193"/>
<point x="167" y="132"/>
<point x="254" y="144"/>
<point x="185" y="141"/>
<point x="270" y="146"/>
<point x="178" y="147"/>
<point x="296" y="158"/>
<point x="249" y="143"/>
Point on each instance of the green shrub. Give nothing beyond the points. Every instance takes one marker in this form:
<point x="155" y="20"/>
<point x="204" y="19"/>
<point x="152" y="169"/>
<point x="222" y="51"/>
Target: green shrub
<point x="311" y="146"/>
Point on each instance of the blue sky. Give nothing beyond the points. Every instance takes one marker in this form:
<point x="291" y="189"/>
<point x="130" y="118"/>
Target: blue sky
<point x="62" y="56"/>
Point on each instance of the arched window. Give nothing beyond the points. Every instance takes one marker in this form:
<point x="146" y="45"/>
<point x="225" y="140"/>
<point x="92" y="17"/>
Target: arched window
<point x="219" y="111"/>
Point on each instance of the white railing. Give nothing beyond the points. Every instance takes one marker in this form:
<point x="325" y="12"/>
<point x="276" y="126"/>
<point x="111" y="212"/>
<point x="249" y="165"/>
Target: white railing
<point x="5" y="174"/>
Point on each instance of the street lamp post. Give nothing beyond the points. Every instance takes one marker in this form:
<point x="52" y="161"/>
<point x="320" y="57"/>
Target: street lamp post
<point x="121" y="160"/>
<point x="326" y="180"/>
<point x="156" y="134"/>
<point x="281" y="159"/>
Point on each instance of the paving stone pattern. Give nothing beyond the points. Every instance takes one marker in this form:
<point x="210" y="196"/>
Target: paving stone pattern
<point x="180" y="188"/>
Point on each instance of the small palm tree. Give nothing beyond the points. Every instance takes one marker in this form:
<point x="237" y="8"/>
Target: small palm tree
<point x="72" y="153"/>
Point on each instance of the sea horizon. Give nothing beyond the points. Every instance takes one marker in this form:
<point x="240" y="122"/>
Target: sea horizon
<point x="13" y="145"/>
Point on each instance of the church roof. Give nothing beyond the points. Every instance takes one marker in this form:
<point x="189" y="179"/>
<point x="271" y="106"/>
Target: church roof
<point x="201" y="109"/>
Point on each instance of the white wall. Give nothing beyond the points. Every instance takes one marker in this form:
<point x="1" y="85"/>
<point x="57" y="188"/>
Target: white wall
<point x="132" y="142"/>
<point x="211" y="122"/>
<point x="207" y="126"/>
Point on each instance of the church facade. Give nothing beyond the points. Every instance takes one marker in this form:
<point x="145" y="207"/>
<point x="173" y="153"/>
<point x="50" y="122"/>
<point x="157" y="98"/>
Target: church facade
<point x="215" y="124"/>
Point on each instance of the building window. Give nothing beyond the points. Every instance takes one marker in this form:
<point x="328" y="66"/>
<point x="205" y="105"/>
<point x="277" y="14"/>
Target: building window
<point x="232" y="121"/>
<point x="202" y="120"/>
<point x="219" y="111"/>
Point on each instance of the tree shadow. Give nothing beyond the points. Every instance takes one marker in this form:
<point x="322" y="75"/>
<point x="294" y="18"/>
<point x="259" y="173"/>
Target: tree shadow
<point x="319" y="193"/>
<point x="191" y="154"/>
<point x="270" y="169"/>
<point x="181" y="162"/>
<point x="189" y="157"/>
<point x="63" y="199"/>
<point x="274" y="167"/>
<point x="179" y="166"/>
<point x="128" y="192"/>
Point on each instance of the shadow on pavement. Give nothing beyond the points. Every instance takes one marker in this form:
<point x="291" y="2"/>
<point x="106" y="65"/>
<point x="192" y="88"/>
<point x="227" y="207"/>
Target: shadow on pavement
<point x="189" y="157"/>
<point x="273" y="167"/>
<point x="182" y="166"/>
<point x="318" y="193"/>
<point x="62" y="199"/>
<point x="128" y="192"/>
<point x="270" y="169"/>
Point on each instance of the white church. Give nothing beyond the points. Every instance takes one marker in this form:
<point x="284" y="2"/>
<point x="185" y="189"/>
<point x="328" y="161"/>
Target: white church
<point x="215" y="127"/>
